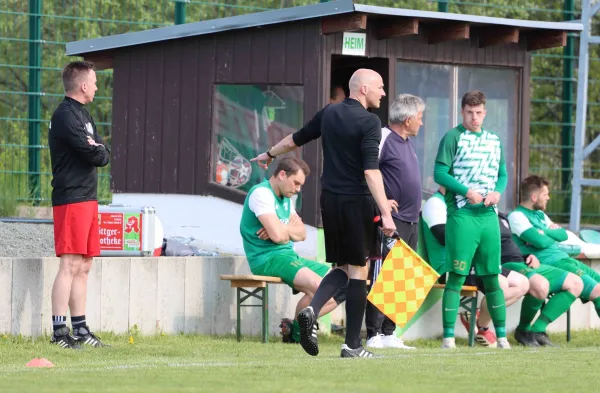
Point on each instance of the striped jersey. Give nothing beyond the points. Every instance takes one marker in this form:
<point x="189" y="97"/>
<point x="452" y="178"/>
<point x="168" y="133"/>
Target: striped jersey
<point x="474" y="159"/>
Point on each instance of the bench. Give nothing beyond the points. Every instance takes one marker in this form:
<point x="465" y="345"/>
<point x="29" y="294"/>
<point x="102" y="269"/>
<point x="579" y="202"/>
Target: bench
<point x="261" y="292"/>
<point x="568" y="317"/>
<point x="468" y="302"/>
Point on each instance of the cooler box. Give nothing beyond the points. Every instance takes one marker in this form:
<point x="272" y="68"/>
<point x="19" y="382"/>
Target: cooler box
<point x="127" y="231"/>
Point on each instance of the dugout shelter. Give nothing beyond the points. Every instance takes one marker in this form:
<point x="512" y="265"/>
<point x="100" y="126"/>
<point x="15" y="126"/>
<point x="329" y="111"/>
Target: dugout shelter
<point x="193" y="103"/>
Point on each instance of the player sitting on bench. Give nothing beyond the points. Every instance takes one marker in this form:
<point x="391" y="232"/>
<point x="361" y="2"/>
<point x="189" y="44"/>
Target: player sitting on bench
<point x="269" y="228"/>
<point x="513" y="284"/>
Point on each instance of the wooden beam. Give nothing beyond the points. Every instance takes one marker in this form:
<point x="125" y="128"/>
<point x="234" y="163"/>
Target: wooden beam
<point x="546" y="39"/>
<point x="491" y="36"/>
<point x="397" y="29"/>
<point x="448" y="32"/>
<point x="102" y="61"/>
<point x="341" y="23"/>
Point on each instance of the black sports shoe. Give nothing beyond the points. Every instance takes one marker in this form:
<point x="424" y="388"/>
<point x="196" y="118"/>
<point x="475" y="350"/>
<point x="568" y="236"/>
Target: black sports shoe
<point x="308" y="331"/>
<point x="543" y="340"/>
<point x="63" y="338"/>
<point x="526" y="338"/>
<point x="287" y="325"/>
<point x="83" y="336"/>
<point x="359" y="352"/>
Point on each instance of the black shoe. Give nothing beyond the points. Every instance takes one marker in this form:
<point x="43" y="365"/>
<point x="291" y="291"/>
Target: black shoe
<point x="308" y="331"/>
<point x="287" y="326"/>
<point x="359" y="352"/>
<point x="543" y="340"/>
<point x="83" y="336"/>
<point x="63" y="338"/>
<point x="525" y="338"/>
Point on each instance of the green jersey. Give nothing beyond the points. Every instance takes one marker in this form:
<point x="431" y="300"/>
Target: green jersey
<point x="434" y="213"/>
<point x="261" y="199"/>
<point x="474" y="159"/>
<point x="522" y="219"/>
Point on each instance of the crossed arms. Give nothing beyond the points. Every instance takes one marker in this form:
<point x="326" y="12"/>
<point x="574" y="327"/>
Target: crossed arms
<point x="538" y="238"/>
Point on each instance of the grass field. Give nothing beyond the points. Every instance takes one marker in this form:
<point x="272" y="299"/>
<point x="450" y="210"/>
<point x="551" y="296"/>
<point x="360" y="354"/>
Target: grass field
<point x="201" y="363"/>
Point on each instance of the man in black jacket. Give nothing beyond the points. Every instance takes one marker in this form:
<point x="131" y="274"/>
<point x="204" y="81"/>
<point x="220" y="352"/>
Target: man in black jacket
<point x="76" y="150"/>
<point x="353" y="194"/>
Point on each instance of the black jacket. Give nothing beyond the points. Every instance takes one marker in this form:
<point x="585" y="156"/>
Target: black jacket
<point x="74" y="160"/>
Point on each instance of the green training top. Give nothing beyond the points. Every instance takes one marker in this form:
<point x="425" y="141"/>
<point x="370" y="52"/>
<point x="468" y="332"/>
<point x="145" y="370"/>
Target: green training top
<point x="522" y="220"/>
<point x="261" y="199"/>
<point x="475" y="160"/>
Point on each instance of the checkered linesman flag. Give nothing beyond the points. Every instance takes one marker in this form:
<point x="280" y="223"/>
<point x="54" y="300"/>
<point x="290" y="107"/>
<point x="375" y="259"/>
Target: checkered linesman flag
<point x="402" y="284"/>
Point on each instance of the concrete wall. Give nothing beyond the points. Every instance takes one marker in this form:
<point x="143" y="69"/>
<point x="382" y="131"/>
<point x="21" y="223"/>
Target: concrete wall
<point x="170" y="295"/>
<point x="174" y="295"/>
<point x="206" y="218"/>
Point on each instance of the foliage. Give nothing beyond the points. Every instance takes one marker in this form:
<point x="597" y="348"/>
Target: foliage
<point x="69" y="20"/>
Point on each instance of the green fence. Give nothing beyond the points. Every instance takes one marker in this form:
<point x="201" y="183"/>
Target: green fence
<point x="33" y="35"/>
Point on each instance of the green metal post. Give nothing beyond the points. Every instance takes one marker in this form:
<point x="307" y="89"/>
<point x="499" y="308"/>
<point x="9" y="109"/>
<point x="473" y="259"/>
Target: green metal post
<point x="567" y="109"/>
<point x="180" y="11"/>
<point x="35" y="82"/>
<point x="238" y="328"/>
<point x="265" y="316"/>
<point x="442" y="5"/>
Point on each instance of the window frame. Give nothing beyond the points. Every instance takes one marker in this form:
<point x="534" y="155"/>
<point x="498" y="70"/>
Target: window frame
<point x="454" y="107"/>
<point x="233" y="194"/>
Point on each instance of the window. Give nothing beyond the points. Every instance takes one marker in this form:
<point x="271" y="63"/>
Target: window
<point x="442" y="87"/>
<point x="248" y="120"/>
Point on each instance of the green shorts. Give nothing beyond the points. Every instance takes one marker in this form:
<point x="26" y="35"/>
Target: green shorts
<point x="589" y="276"/>
<point x="473" y="237"/>
<point x="286" y="266"/>
<point x="555" y="276"/>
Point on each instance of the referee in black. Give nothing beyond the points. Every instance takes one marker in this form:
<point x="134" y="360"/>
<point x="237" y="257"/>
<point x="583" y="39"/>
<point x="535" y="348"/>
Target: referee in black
<point x="352" y="195"/>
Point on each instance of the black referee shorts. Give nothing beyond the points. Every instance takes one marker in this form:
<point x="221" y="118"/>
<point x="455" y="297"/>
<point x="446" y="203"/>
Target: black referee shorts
<point x="351" y="236"/>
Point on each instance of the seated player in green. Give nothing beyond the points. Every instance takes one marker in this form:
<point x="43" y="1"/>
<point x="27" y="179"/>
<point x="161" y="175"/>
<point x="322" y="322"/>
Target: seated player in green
<point x="535" y="233"/>
<point x="269" y="228"/>
<point x="514" y="285"/>
<point x="544" y="280"/>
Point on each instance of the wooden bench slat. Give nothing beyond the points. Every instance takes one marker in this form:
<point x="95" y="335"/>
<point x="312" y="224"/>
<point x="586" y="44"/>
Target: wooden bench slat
<point x="250" y="277"/>
<point x="466" y="290"/>
<point x="248" y="284"/>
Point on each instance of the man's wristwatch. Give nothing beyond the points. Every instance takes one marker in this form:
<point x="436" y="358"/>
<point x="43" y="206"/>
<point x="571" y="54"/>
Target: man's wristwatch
<point x="270" y="155"/>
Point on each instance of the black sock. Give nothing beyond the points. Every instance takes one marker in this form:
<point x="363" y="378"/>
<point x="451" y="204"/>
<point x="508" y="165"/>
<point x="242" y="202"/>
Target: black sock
<point x="356" y="302"/>
<point x="58" y="322"/>
<point x="78" y="322"/>
<point x="331" y="283"/>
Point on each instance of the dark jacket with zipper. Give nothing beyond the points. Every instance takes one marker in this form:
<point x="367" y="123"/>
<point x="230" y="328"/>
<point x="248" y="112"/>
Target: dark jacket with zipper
<point x="74" y="160"/>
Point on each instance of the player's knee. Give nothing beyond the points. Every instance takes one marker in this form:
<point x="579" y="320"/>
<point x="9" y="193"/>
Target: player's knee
<point x="538" y="287"/>
<point x="493" y="283"/>
<point x="84" y="267"/>
<point x="358" y="272"/>
<point x="307" y="281"/>
<point x="523" y="287"/>
<point x="573" y="284"/>
<point x="70" y="264"/>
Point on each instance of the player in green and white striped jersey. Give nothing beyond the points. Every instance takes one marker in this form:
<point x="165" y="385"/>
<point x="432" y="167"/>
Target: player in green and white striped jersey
<point x="470" y="165"/>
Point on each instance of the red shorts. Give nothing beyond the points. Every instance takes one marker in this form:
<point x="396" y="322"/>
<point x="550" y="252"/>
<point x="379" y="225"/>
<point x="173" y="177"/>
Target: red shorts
<point x="76" y="229"/>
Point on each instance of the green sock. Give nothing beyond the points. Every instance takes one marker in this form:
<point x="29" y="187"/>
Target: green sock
<point x="529" y="309"/>
<point x="596" y="302"/>
<point x="451" y="302"/>
<point x="557" y="305"/>
<point x="296" y="331"/>
<point x="495" y="303"/>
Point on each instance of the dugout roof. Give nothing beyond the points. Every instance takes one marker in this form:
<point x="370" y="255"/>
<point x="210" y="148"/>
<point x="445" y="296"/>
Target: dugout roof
<point x="553" y="34"/>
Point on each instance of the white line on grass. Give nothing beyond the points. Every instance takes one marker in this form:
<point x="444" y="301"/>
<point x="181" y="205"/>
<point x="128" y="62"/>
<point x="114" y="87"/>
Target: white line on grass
<point x="147" y="366"/>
